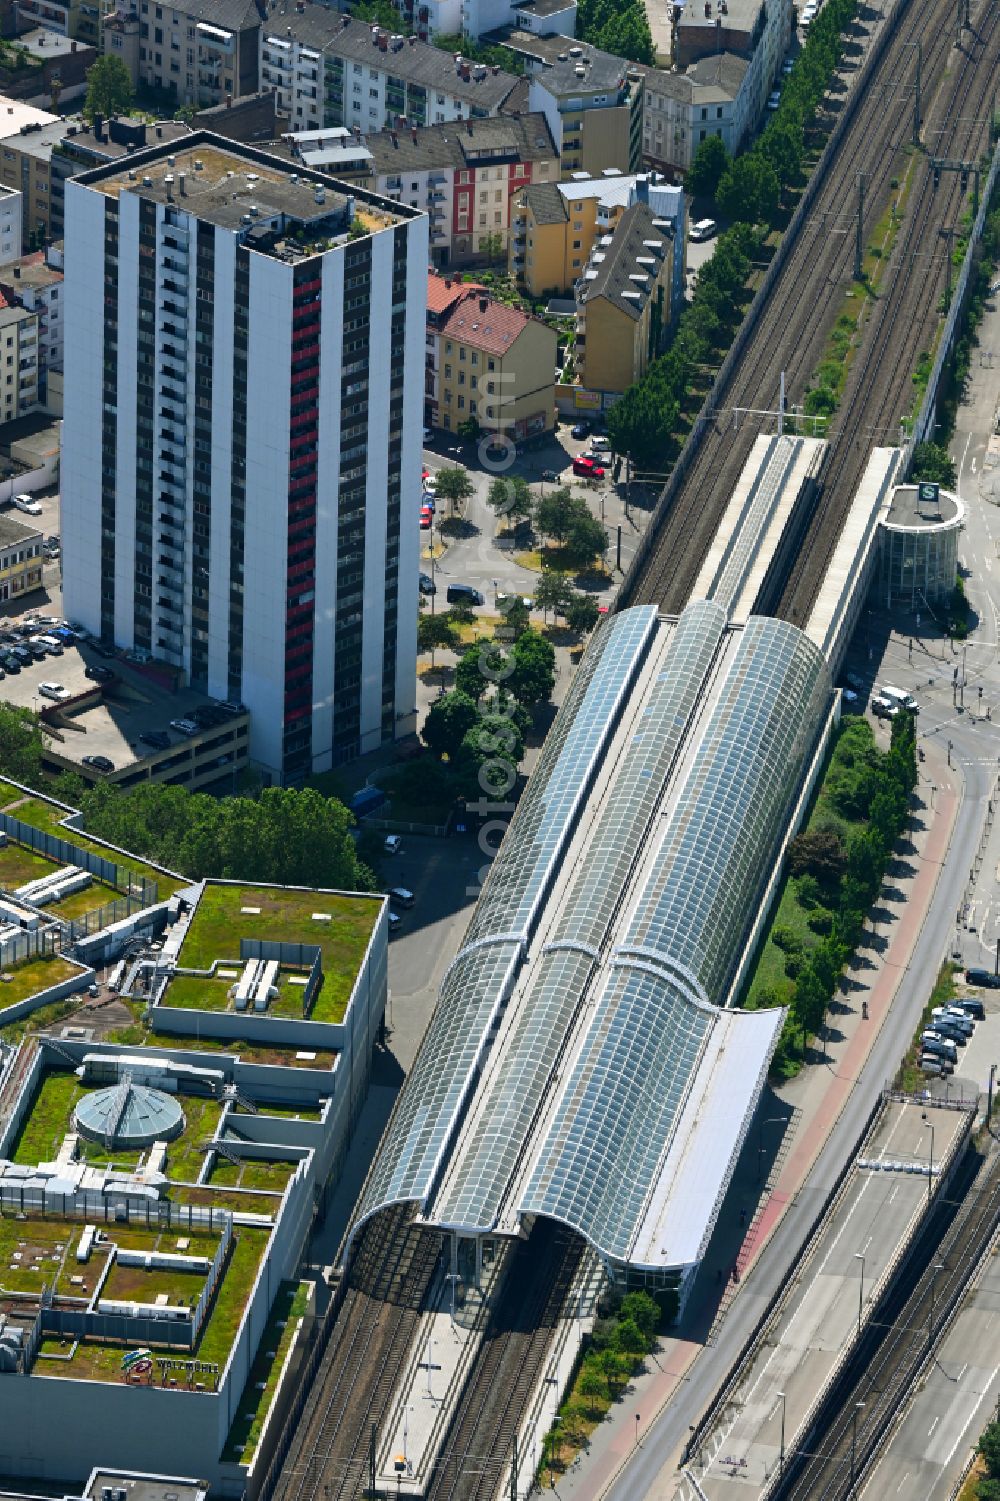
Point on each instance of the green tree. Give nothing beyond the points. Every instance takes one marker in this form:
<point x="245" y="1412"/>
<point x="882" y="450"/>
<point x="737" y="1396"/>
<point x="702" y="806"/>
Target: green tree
<point x="644" y="1311"/>
<point x="534" y="674"/>
<point x="707" y="166"/>
<point x="20" y="744"/>
<point x="553" y="592"/>
<point x="989" y="1448"/>
<point x="593" y="1387"/>
<point x="586" y="541"/>
<point x="435" y="632"/>
<point x="582" y="614"/>
<point x="511" y="499"/>
<point x="629" y="1338"/>
<point x="109" y="88"/>
<point x="556" y="512"/>
<point x="819" y="853"/>
<point x="453" y="485"/>
<point x="749" y="190"/>
<point x="469" y="430"/>
<point x="932" y="461"/>
<point x="783" y="146"/>
<point x="382" y="13"/>
<point x="448" y="721"/>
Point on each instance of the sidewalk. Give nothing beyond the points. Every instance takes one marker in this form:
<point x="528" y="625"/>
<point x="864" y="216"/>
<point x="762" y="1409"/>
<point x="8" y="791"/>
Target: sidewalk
<point x="818" y="1096"/>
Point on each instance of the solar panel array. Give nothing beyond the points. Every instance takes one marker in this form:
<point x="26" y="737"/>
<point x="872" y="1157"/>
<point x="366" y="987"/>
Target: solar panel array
<point x="480" y="979"/>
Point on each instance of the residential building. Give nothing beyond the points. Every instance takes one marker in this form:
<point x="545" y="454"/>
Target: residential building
<point x="591" y="99"/>
<point x="79" y="19"/>
<point x="681" y="109"/>
<point x="335" y="149"/>
<point x="83" y="146"/>
<point x="11" y="204"/>
<point x="120" y="36"/>
<point x="554" y="227"/>
<point x="466" y="177"/>
<point x="204" y="51"/>
<point x="471" y="18"/>
<point x="27" y="135"/>
<point x="52" y="68"/>
<point x="755" y="31"/>
<point x="329" y="69"/>
<point x="18" y="362"/>
<point x="244" y="346"/>
<point x="36" y="283"/>
<point x="252" y="117"/>
<point x="623" y="302"/>
<point x="20" y="559"/>
<point x="487" y="363"/>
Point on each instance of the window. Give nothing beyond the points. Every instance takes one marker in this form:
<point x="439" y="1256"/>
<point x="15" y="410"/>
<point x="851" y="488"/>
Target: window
<point x="447" y="372"/>
<point x="718" y="113"/>
<point x="578" y="224"/>
<point x="461" y="403"/>
<point x="576" y="262"/>
<point x="475" y="357"/>
<point x="577" y="244"/>
<point x="461" y="377"/>
<point x="461" y="352"/>
<point x="491" y="364"/>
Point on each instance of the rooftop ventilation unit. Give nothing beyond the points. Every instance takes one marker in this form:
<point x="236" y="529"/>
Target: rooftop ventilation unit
<point x="199" y="165"/>
<point x="319" y="194"/>
<point x="576" y="52"/>
<point x="147" y="182"/>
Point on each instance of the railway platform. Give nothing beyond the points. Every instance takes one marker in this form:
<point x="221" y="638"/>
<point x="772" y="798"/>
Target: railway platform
<point x="794" y="1358"/>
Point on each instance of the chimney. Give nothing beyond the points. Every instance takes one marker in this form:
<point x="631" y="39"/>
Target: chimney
<point x="484" y="303"/>
<point x="99" y="127"/>
<point x="182" y="184"/>
<point x="17" y="271"/>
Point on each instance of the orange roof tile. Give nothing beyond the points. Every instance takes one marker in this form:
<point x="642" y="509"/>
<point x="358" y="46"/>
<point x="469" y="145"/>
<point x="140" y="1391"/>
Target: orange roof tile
<point x="443" y="291"/>
<point x="488" y="325"/>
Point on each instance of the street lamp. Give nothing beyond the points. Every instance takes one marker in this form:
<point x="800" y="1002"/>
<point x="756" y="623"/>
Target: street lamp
<point x="939" y="1267"/>
<point x="781" y="1449"/>
<point x="993" y="1069"/>
<point x="638" y="1420"/>
<point x="859" y="1256"/>
<point x="929" y="1126"/>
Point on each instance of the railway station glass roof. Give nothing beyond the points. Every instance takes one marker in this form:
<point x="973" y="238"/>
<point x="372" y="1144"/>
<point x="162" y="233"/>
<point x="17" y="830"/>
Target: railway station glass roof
<point x="522" y="870"/>
<point x="515" y="1092"/>
<point x="471" y="996"/>
<point x="638" y="786"/>
<point x="720" y="842"/>
<point x="614" y="1123"/>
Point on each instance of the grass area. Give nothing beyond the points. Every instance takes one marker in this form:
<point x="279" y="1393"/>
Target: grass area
<point x="265" y="1177"/>
<point x="51" y="1118"/>
<point x="33" y="976"/>
<point x="134" y="1284"/>
<point x="45" y="1016"/>
<point x="292" y="1112"/>
<point x="44" y="815"/>
<point x="19" y="865"/>
<point x="246" y="1202"/>
<point x="970" y="1486"/>
<point x="219" y="924"/>
<point x="9" y="793"/>
<point x="39" y="1246"/>
<point x="191" y="993"/>
<point x="943" y="993"/>
<point x="255" y="1404"/>
<point x="102" y="1362"/>
<point x="250" y="1052"/>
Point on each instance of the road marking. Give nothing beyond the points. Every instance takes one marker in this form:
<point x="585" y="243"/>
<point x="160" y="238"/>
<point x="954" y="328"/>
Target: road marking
<point x="972" y="1417"/>
<point x="933" y="1425"/>
<point x="902" y="1482"/>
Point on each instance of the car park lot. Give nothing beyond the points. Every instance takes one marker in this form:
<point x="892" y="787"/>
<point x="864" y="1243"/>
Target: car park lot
<point x="981" y="1051"/>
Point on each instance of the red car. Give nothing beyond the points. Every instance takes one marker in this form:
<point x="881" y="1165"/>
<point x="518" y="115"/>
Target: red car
<point x="588" y="467"/>
<point x="426" y="519"/>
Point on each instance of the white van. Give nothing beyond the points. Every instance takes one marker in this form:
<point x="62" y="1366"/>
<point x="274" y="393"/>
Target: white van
<point x="702" y="229"/>
<point x="897" y="696"/>
<point x="883" y="708"/>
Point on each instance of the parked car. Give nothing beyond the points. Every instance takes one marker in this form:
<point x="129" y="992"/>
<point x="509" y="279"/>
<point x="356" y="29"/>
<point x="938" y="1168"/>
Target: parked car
<point x="158" y="739"/>
<point x="430" y="482"/>
<point x="883" y="709"/>
<point x="428" y="503"/>
<point x="26" y="503"/>
<point x="394" y="921"/>
<point x="10" y="664"/>
<point x="393" y="844"/>
<point x="774" y="99"/>
<point x="401" y="896"/>
<point x="580" y="430"/>
<point x="54" y="690"/>
<point x="426" y="584"/>
<point x="787" y="65"/>
<point x="184" y="726"/>
<point x="426" y="520"/>
<point x="587" y="467"/>
<point x="99" y="763"/>
<point x="100" y="674"/>
<point x="984" y="977"/>
<point x="972" y="1006"/>
<point x="702" y="229"/>
<point x="428" y="434"/>
<point x="600" y="444"/>
<point x="458" y="593"/>
<point x="933" y="1042"/>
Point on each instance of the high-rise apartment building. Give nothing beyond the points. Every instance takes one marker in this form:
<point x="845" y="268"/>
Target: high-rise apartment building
<point x="242" y="437"/>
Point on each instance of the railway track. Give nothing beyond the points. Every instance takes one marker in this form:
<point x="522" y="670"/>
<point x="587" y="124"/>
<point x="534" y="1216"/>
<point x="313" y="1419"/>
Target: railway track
<point x="390" y="1277"/>
<point x="801" y="309"/>
<point x="845" y="1437"/>
<point x="879" y="391"/>
<point x="479" y="1443"/>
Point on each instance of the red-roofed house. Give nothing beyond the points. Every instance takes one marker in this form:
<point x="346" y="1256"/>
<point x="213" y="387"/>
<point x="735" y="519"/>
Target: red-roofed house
<point x="486" y="362"/>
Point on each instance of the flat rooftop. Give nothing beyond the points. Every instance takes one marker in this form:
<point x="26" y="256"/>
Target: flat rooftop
<point x="339" y="924"/>
<point x="923" y="508"/>
<point x="284" y="208"/>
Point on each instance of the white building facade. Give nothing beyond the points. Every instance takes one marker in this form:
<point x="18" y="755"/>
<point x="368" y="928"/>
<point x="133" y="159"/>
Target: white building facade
<point x="242" y="428"/>
<point x="10" y="225"/>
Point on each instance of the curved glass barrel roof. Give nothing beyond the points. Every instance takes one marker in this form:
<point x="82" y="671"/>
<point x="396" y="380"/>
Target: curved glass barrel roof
<point x="615" y="1120"/>
<point x="721" y="839"/>
<point x="513" y="1095"/>
<point x="479" y="981"/>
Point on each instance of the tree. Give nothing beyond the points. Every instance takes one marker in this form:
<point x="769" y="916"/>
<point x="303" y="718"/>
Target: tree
<point x="448" y="722"/>
<point x="20" y="744"/>
<point x="989" y="1448"/>
<point x="593" y="1387"/>
<point x="109" y="88"/>
<point x="783" y="146"/>
<point x="644" y="1311"/>
<point x="629" y="1338"/>
<point x="707" y="166"/>
<point x="819" y="853"/>
<point x="582" y="614"/>
<point x="555" y="513"/>
<point x="469" y="430"/>
<point x="931" y="461"/>
<point x="435" y="631"/>
<point x="489" y="755"/>
<point x="453" y="485"/>
<point x="553" y="592"/>
<point x="749" y="190"/>
<point x="511" y="499"/>
<point x="587" y="539"/>
<point x="534" y="674"/>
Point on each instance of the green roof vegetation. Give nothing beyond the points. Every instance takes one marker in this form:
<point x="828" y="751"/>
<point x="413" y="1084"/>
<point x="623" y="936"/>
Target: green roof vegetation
<point x="249" y="1052"/>
<point x="42" y="814"/>
<point x="266" y="1177"/>
<point x="33" y="976"/>
<point x="262" y="1382"/>
<point x="286" y="915"/>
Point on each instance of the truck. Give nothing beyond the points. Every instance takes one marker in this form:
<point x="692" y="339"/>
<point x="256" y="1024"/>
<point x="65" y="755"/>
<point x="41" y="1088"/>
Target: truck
<point x="367" y="801"/>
